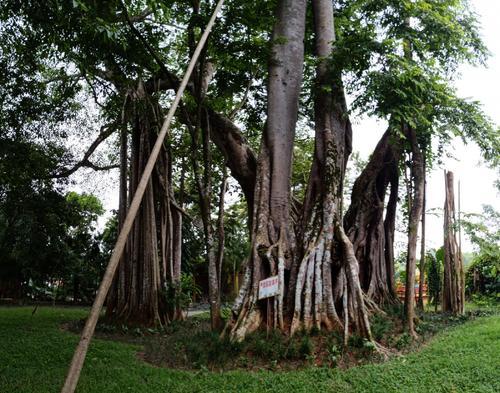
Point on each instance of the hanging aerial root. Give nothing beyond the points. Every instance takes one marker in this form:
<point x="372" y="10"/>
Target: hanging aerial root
<point x="371" y="306"/>
<point x="356" y="298"/>
<point x="247" y="313"/>
<point x="314" y="305"/>
<point x="386" y="353"/>
<point x="249" y="321"/>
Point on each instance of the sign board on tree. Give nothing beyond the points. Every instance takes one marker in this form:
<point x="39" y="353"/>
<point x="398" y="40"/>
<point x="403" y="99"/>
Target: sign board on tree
<point x="268" y="287"/>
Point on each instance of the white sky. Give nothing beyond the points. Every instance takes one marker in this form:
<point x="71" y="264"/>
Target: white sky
<point x="476" y="179"/>
<point x="481" y="84"/>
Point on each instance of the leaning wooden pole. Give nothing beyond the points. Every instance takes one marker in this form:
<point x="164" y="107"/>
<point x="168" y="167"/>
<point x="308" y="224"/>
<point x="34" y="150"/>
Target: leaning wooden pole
<point x="81" y="350"/>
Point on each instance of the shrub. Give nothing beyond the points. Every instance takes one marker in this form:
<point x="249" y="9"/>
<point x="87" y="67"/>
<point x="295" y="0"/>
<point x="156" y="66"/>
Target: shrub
<point x="483" y="275"/>
<point x="355" y="341"/>
<point x="380" y="325"/>
<point x="306" y="346"/>
<point x="403" y="341"/>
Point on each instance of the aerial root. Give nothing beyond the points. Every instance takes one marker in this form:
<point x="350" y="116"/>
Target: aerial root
<point x="371" y="306"/>
<point x="385" y="352"/>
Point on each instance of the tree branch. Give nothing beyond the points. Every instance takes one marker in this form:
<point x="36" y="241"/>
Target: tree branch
<point x="241" y="160"/>
<point x="106" y="131"/>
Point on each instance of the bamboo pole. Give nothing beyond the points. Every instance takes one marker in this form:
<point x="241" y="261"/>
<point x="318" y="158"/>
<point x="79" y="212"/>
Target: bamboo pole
<point x="88" y="331"/>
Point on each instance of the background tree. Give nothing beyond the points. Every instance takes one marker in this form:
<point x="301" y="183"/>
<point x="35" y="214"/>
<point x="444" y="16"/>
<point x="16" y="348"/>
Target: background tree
<point x="482" y="277"/>
<point x="47" y="239"/>
<point x="407" y="90"/>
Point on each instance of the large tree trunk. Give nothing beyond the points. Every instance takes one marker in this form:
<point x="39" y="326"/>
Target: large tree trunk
<point x="151" y="264"/>
<point x="322" y="271"/>
<point x="272" y="242"/>
<point x="371" y="234"/>
<point x="220" y="227"/>
<point x="417" y="181"/>
<point x="453" y="283"/>
<point x="327" y="271"/>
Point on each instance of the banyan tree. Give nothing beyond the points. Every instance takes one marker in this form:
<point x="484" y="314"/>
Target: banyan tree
<point x="335" y="265"/>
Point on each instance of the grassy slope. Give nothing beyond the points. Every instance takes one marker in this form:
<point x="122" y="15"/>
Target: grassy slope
<point x="34" y="355"/>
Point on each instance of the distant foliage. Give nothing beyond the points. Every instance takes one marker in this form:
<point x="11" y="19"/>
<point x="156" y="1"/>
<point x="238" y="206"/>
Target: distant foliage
<point x="434" y="266"/>
<point x="482" y="277"/>
<point x="49" y="244"/>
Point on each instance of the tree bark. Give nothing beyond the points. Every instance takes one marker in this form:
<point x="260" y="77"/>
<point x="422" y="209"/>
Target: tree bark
<point x="389" y="229"/>
<point x="417" y="180"/>
<point x="240" y="158"/>
<point x="150" y="266"/>
<point x="272" y="242"/>
<point x="327" y="269"/>
<point x="203" y="175"/>
<point x="421" y="283"/>
<point x="204" y="187"/>
<point x="453" y="282"/>
<point x="372" y="236"/>
<point x="322" y="270"/>
<point x="220" y="226"/>
<point x="117" y="290"/>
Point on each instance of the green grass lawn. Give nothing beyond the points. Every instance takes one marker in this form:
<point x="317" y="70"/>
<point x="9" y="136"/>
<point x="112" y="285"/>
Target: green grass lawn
<point x="35" y="354"/>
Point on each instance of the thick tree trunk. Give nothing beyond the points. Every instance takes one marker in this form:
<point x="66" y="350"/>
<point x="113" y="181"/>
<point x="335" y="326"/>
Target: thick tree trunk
<point x="389" y="229"/>
<point x="327" y="271"/>
<point x="417" y="180"/>
<point x="322" y="270"/>
<point x="453" y="283"/>
<point x="151" y="263"/>
<point x="272" y="240"/>
<point x="372" y="236"/>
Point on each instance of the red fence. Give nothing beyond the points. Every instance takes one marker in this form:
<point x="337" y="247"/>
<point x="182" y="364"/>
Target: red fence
<point x="400" y="291"/>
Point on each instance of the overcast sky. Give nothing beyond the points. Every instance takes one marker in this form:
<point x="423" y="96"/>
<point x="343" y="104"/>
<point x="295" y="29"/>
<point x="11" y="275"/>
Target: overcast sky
<point x="482" y="84"/>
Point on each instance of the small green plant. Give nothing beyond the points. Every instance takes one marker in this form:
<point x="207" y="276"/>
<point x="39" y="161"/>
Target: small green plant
<point x="138" y="332"/>
<point x="395" y="310"/>
<point x="355" y="341"/>
<point x="225" y="313"/>
<point x="306" y="346"/>
<point x="207" y="349"/>
<point x="333" y="354"/>
<point x="403" y="341"/>
<point x="180" y="295"/>
<point x="380" y="325"/>
<point x="272" y="345"/>
<point x="368" y="346"/>
<point x="106" y="328"/>
<point x="310" y="358"/>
